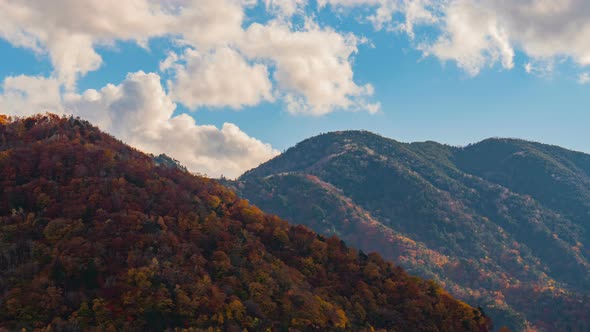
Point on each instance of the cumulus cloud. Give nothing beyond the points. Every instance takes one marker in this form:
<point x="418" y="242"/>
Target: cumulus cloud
<point x="207" y="24"/>
<point x="584" y="78"/>
<point x="221" y="77"/>
<point x="69" y="30"/>
<point x="313" y="66"/>
<point x="469" y="34"/>
<point x="480" y="33"/>
<point x="473" y="37"/>
<point x="139" y="112"/>
<point x="313" y="74"/>
<point x="26" y="95"/>
<point x="228" y="60"/>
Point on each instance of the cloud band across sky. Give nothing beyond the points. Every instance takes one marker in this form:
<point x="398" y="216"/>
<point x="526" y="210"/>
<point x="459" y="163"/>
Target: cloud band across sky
<point x="227" y="57"/>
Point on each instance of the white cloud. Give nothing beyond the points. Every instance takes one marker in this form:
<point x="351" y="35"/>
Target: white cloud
<point x="208" y="24"/>
<point x="69" y="30"/>
<point x="480" y="33"/>
<point x="584" y="78"/>
<point x="473" y="37"/>
<point x="227" y="61"/>
<point x="25" y="95"/>
<point x="313" y="66"/>
<point x="169" y="62"/>
<point x="217" y="78"/>
<point x="139" y="112"/>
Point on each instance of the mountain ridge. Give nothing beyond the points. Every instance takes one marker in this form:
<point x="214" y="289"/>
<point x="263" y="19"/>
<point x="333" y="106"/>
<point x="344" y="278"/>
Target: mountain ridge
<point x="479" y="205"/>
<point x="94" y="235"/>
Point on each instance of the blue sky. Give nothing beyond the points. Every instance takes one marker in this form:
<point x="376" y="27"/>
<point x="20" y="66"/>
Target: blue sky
<point x="431" y="82"/>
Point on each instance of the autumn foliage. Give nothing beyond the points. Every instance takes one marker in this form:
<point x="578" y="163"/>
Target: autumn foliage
<point x="95" y="235"/>
<point x="501" y="224"/>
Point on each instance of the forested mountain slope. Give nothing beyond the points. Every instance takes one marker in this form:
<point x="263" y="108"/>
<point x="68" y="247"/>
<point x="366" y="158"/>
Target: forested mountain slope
<point x="504" y="223"/>
<point x="94" y="235"/>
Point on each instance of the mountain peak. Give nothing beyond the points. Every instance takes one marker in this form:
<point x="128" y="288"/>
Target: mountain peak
<point x="95" y="235"/>
<point x="499" y="222"/>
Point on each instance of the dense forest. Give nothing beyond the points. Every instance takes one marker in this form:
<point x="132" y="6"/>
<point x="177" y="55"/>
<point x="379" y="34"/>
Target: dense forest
<point x="503" y="224"/>
<point x="95" y="235"/>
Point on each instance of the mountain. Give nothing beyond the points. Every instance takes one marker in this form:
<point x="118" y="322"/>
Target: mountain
<point x="95" y="235"/>
<point x="503" y="224"/>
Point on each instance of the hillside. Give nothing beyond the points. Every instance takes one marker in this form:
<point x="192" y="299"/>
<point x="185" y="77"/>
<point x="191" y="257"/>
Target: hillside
<point x="95" y="235"/>
<point x="503" y="224"/>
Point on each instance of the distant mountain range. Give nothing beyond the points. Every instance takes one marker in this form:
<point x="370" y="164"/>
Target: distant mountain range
<point x="504" y="223"/>
<point x="97" y="236"/>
